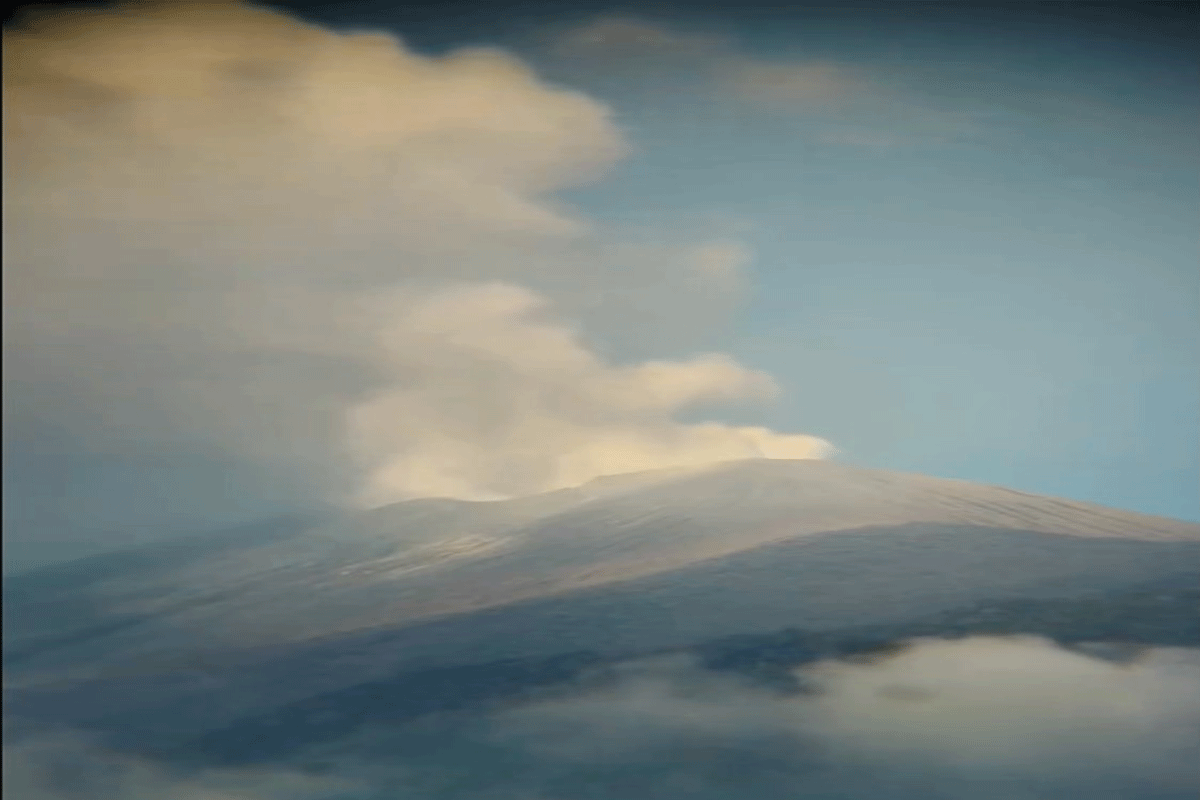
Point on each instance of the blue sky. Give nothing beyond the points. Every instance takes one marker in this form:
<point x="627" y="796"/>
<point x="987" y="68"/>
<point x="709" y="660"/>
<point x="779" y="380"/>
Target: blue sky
<point x="966" y="309"/>
<point x="984" y="266"/>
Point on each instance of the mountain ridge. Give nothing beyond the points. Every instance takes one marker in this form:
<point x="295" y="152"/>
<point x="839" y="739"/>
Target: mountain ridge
<point x="617" y="565"/>
<point x="610" y="530"/>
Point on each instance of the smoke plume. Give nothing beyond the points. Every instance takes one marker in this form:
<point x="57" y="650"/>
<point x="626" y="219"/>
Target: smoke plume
<point x="253" y="263"/>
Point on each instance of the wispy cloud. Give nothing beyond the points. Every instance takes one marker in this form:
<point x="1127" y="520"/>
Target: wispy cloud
<point x="784" y="85"/>
<point x="842" y="103"/>
<point x="651" y="52"/>
<point x="623" y="37"/>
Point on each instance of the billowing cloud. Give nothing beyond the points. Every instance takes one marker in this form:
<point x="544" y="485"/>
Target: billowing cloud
<point x="315" y="264"/>
<point x="505" y="401"/>
<point x="1017" y="702"/>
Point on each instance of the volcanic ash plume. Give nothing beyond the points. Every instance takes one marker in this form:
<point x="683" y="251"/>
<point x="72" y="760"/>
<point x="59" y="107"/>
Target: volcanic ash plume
<point x="320" y="265"/>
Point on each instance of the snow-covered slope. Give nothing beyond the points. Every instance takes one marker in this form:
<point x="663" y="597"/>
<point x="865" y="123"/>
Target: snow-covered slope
<point x="424" y="559"/>
<point x="620" y="564"/>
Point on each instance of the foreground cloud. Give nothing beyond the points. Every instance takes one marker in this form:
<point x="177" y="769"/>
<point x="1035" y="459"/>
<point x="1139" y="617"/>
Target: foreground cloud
<point x="981" y="700"/>
<point x="310" y="263"/>
<point x="70" y="767"/>
<point x="991" y="718"/>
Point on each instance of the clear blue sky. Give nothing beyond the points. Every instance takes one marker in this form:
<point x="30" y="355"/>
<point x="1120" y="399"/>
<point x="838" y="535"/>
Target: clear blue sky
<point x="987" y="269"/>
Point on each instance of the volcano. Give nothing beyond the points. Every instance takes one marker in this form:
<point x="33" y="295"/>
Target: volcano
<point x="187" y="637"/>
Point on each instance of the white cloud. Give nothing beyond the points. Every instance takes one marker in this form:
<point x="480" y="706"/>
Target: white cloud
<point x="505" y="401"/>
<point x="224" y="225"/>
<point x="991" y="717"/>
<point x="1020" y="702"/>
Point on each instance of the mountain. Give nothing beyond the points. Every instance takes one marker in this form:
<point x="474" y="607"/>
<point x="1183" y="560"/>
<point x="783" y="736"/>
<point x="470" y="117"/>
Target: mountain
<point x="175" y="640"/>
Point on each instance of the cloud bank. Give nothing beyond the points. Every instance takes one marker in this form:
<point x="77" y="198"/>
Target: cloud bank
<point x="992" y="718"/>
<point x="978" y="717"/>
<point x="250" y="260"/>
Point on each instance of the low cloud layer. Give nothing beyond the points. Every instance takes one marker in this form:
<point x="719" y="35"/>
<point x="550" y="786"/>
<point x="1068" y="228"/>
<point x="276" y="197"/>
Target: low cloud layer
<point x="990" y="718"/>
<point x="985" y="717"/>
<point x="253" y="261"/>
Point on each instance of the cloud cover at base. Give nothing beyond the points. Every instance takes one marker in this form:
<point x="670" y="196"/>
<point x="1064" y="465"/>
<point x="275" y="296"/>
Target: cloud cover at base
<point x="994" y="718"/>
<point x="230" y="231"/>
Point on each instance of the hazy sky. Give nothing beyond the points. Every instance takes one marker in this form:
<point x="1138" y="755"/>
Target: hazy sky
<point x="254" y="264"/>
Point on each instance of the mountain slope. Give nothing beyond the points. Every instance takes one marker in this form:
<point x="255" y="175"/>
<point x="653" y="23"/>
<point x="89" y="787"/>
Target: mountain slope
<point x="428" y="558"/>
<point x="619" y="565"/>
